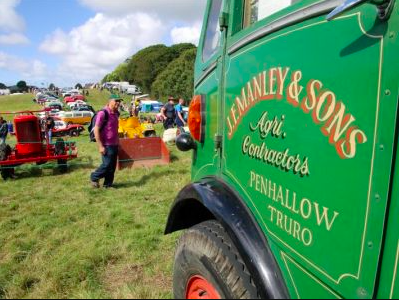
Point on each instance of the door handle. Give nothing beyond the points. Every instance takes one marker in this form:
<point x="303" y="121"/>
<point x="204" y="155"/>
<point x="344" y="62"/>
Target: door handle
<point x="384" y="8"/>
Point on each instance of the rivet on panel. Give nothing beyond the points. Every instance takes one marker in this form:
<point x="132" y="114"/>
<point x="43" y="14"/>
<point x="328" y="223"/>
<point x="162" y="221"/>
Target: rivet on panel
<point x="382" y="147"/>
<point x="387" y="92"/>
<point x="362" y="292"/>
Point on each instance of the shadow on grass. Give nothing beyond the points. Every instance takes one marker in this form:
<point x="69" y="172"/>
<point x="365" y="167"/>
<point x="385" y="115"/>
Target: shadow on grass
<point x="29" y="171"/>
<point x="154" y="176"/>
<point x="174" y="158"/>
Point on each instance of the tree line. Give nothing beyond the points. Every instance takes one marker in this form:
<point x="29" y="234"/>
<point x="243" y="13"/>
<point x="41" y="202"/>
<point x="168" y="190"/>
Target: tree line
<point x="160" y="71"/>
<point x="20" y="87"/>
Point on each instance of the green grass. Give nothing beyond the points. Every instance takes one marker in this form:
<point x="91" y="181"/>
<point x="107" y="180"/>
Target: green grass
<point x="61" y="239"/>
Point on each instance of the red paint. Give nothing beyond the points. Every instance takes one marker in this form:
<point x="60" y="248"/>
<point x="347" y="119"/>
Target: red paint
<point x="200" y="288"/>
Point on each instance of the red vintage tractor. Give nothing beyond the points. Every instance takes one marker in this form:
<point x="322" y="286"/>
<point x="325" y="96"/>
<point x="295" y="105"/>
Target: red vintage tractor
<point x="33" y="147"/>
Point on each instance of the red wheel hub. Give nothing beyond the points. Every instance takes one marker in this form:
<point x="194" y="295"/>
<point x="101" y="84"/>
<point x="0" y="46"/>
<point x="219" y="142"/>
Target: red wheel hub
<point x="200" y="288"/>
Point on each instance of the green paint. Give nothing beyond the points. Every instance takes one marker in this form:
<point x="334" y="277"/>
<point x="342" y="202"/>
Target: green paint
<point x="308" y="119"/>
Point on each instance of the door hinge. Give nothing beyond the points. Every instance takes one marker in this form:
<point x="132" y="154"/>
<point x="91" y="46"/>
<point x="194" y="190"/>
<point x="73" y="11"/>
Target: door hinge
<point x="223" y="20"/>
<point x="218" y="142"/>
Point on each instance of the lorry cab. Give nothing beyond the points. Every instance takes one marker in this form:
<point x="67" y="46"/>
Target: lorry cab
<point x="295" y="188"/>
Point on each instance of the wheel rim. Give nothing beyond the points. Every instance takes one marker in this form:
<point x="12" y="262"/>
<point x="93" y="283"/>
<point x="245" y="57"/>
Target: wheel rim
<point x="200" y="288"/>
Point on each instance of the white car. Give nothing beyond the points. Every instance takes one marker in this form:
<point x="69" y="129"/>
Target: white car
<point x="53" y="113"/>
<point x="71" y="93"/>
<point x="76" y="104"/>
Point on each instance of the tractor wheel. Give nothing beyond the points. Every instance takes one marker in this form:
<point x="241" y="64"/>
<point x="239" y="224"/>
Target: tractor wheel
<point x="60" y="147"/>
<point x="6" y="171"/>
<point x="63" y="166"/>
<point x="60" y="150"/>
<point x="208" y="266"/>
<point x="5" y="151"/>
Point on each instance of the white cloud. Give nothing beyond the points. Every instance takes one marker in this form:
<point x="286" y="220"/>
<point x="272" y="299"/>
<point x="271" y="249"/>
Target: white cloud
<point x="88" y="52"/>
<point x="177" y="10"/>
<point x="94" y="49"/>
<point x="11" y="24"/>
<point x="186" y="34"/>
<point x="29" y="69"/>
<point x="13" y="39"/>
<point x="9" y="19"/>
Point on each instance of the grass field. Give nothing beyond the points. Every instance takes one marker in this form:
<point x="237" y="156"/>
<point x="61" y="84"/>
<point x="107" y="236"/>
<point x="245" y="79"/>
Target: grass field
<point x="61" y="239"/>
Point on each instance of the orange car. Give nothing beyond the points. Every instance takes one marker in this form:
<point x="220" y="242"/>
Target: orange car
<point x="76" y="117"/>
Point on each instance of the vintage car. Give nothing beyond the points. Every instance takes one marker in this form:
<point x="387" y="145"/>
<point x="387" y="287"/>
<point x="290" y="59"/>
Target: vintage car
<point x="84" y="108"/>
<point x="74" y="98"/>
<point x="294" y="129"/>
<point x="53" y="105"/>
<point x="64" y="129"/>
<point x="76" y="104"/>
<point x="76" y="117"/>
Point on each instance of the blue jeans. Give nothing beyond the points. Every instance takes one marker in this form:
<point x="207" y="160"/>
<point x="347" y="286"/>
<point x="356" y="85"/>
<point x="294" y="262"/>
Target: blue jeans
<point x="50" y="135"/>
<point x="108" y="167"/>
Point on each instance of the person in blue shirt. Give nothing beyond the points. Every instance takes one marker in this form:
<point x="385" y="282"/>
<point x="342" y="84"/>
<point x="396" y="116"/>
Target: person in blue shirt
<point x="180" y="121"/>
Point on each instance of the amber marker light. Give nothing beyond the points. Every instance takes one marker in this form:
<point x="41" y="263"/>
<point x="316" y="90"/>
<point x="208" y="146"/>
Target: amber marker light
<point x="196" y="120"/>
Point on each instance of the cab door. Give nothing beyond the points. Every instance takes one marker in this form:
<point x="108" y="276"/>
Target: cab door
<point x="309" y="124"/>
<point x="208" y="84"/>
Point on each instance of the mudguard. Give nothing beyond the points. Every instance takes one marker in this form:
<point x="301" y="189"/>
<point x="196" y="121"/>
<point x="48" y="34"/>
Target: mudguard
<point x="213" y="199"/>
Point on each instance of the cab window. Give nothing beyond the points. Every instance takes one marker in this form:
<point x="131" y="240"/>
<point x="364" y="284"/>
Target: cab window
<point x="256" y="10"/>
<point x="213" y="35"/>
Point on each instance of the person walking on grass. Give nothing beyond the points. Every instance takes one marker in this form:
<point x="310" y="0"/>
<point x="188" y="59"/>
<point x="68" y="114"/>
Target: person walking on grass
<point x="180" y="121"/>
<point x="3" y="131"/>
<point x="49" y="126"/>
<point x="107" y="138"/>
<point x="169" y="113"/>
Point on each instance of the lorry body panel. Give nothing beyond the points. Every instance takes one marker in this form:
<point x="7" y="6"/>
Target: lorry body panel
<point x="307" y="112"/>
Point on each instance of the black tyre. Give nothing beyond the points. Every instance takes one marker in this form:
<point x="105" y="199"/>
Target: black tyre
<point x="63" y="166"/>
<point x="6" y="171"/>
<point x="74" y="133"/>
<point x="150" y="134"/>
<point x="207" y="262"/>
<point x="5" y="151"/>
<point x="60" y="149"/>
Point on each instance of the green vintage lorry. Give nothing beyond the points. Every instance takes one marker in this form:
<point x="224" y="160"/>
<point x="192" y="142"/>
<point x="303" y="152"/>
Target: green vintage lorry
<point x="295" y="174"/>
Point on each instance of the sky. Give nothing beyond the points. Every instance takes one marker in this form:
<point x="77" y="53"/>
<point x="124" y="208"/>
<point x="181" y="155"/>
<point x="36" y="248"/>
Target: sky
<point x="66" y="42"/>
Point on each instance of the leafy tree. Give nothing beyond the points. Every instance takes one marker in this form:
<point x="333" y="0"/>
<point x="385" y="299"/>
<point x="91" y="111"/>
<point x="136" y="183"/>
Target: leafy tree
<point x="111" y="77"/>
<point x="177" y="79"/>
<point x="78" y="86"/>
<point x="22" y="86"/>
<point x="51" y="87"/>
<point x="121" y="72"/>
<point x="2" y="86"/>
<point x="147" y="64"/>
